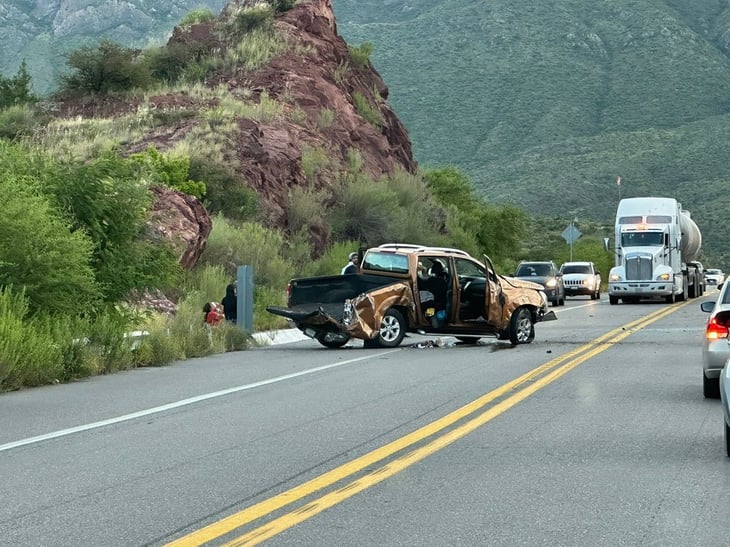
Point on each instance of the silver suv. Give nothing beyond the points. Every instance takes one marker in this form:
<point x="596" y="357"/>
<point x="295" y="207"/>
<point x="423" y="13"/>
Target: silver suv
<point x="581" y="278"/>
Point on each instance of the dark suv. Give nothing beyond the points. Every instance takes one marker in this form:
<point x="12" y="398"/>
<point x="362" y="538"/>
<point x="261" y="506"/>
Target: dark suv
<point x="548" y="275"/>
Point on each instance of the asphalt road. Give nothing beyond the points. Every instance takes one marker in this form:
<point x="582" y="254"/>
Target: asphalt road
<point x="597" y="433"/>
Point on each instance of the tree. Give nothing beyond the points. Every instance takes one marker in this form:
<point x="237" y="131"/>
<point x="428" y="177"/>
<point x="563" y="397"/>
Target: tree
<point x="108" y="67"/>
<point x="16" y="90"/>
<point x="40" y="252"/>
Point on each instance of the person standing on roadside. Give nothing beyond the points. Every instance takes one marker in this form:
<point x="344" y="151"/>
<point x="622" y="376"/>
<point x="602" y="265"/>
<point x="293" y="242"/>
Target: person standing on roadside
<point x="230" y="303"/>
<point x="353" y="265"/>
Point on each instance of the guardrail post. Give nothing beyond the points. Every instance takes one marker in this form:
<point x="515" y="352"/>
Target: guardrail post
<point x="244" y="296"/>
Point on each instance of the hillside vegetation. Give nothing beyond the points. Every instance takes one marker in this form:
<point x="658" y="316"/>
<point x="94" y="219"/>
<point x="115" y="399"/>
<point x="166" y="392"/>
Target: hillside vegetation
<point x="225" y="117"/>
<point x="545" y="103"/>
<point x="542" y="104"/>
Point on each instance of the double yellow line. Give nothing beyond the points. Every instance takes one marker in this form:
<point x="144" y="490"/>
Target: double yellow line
<point x="507" y="396"/>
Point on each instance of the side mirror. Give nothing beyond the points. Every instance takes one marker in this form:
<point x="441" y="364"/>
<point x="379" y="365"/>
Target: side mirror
<point x="606" y="244"/>
<point x="707" y="306"/>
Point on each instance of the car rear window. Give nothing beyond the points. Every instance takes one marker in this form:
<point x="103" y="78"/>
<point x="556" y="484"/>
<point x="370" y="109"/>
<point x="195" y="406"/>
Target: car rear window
<point x="385" y="262"/>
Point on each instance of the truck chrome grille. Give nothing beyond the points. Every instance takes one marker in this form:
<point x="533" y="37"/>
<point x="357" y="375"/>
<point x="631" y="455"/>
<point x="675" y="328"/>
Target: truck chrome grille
<point x="638" y="267"/>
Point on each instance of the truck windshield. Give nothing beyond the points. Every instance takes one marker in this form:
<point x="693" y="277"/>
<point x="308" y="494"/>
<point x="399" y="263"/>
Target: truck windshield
<point x="385" y="262"/>
<point x="642" y="239"/>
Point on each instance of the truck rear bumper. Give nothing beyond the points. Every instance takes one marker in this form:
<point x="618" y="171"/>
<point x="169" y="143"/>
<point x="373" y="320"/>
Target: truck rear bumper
<point x="640" y="288"/>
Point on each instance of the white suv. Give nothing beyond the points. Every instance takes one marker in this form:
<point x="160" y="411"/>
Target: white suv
<point x="714" y="276"/>
<point x="581" y="278"/>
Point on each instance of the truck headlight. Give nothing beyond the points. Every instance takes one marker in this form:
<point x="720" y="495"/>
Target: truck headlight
<point x="615" y="277"/>
<point x="663" y="277"/>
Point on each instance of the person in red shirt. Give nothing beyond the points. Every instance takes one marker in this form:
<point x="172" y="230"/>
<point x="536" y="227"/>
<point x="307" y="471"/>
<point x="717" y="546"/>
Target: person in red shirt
<point x="214" y="315"/>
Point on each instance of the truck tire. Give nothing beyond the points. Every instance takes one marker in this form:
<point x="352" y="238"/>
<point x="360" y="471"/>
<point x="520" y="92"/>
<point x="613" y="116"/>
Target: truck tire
<point x="521" y="328"/>
<point x="613" y="300"/>
<point x="332" y="339"/>
<point x="392" y="329"/>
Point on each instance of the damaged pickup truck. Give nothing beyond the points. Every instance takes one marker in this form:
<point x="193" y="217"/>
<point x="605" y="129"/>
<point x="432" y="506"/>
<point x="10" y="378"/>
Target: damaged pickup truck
<point x="409" y="288"/>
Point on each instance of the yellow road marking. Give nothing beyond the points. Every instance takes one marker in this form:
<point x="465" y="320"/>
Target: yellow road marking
<point x="527" y="384"/>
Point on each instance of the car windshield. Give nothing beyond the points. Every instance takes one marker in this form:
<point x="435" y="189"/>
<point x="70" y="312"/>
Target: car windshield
<point x="576" y="269"/>
<point x="713" y="272"/>
<point x="528" y="270"/>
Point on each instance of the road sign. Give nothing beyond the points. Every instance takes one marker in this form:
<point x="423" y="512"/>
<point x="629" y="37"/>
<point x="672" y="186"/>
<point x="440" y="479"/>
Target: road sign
<point x="571" y="233"/>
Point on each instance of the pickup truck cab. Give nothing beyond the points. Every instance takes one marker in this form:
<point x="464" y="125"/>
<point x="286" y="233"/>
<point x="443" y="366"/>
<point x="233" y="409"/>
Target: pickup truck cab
<point x="411" y="288"/>
<point x="581" y="278"/>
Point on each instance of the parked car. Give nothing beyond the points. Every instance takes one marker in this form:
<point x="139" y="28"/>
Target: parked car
<point x="581" y="278"/>
<point x="713" y="276"/>
<point x="715" y="346"/>
<point x="547" y="274"/>
<point x="724" y="383"/>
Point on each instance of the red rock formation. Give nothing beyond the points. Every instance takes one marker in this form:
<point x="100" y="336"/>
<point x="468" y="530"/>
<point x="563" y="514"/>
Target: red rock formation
<point x="315" y="74"/>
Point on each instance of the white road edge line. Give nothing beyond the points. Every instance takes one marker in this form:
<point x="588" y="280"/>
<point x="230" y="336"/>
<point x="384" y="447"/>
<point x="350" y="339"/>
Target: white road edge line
<point x="184" y="402"/>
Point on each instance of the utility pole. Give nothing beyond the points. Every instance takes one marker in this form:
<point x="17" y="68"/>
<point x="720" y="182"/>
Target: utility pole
<point x="618" y="183"/>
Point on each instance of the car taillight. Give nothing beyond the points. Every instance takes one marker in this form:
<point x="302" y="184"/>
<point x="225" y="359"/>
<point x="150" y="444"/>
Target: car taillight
<point x="716" y="330"/>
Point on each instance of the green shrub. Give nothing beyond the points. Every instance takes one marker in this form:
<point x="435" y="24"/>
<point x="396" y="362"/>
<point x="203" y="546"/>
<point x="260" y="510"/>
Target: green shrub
<point x="18" y="121"/>
<point x="360" y="55"/>
<point x="281" y="5"/>
<point x="40" y="253"/>
<point x="171" y="170"/>
<point x="230" y="246"/>
<point x="326" y="118"/>
<point x="107" y="339"/>
<point x="106" y="68"/>
<point x="158" y="347"/>
<point x="28" y="353"/>
<point x="304" y="208"/>
<point x="314" y="161"/>
<point x="16" y="91"/>
<point x="225" y="193"/>
<point x="369" y="113"/>
<point x="188" y="328"/>
<point x="200" y="15"/>
<point x="251" y="18"/>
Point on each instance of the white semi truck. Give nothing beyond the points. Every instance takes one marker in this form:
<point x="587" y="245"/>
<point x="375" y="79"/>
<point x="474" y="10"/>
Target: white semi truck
<point x="657" y="245"/>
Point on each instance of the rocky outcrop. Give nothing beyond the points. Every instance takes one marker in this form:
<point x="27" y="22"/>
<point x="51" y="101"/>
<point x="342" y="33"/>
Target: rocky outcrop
<point x="316" y="74"/>
<point x="181" y="220"/>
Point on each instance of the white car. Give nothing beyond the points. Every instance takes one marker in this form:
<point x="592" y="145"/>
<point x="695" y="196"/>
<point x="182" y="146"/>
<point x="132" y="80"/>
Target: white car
<point x="725" y="396"/>
<point x="715" y="346"/>
<point x="713" y="276"/>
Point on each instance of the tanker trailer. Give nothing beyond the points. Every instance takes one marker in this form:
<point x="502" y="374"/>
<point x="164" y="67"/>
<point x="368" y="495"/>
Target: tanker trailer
<point x="656" y="246"/>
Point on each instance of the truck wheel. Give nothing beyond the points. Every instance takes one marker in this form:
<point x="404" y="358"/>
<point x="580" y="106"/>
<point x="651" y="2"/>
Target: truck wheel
<point x="521" y="329"/>
<point x="392" y="329"/>
<point x="613" y="300"/>
<point x="670" y="298"/>
<point x="332" y="339"/>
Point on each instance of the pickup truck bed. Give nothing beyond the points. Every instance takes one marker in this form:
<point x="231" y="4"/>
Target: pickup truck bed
<point x="309" y="294"/>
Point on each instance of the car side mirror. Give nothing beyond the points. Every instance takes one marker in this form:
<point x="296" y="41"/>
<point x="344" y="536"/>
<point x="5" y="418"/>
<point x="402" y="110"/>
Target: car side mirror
<point x="707" y="306"/>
